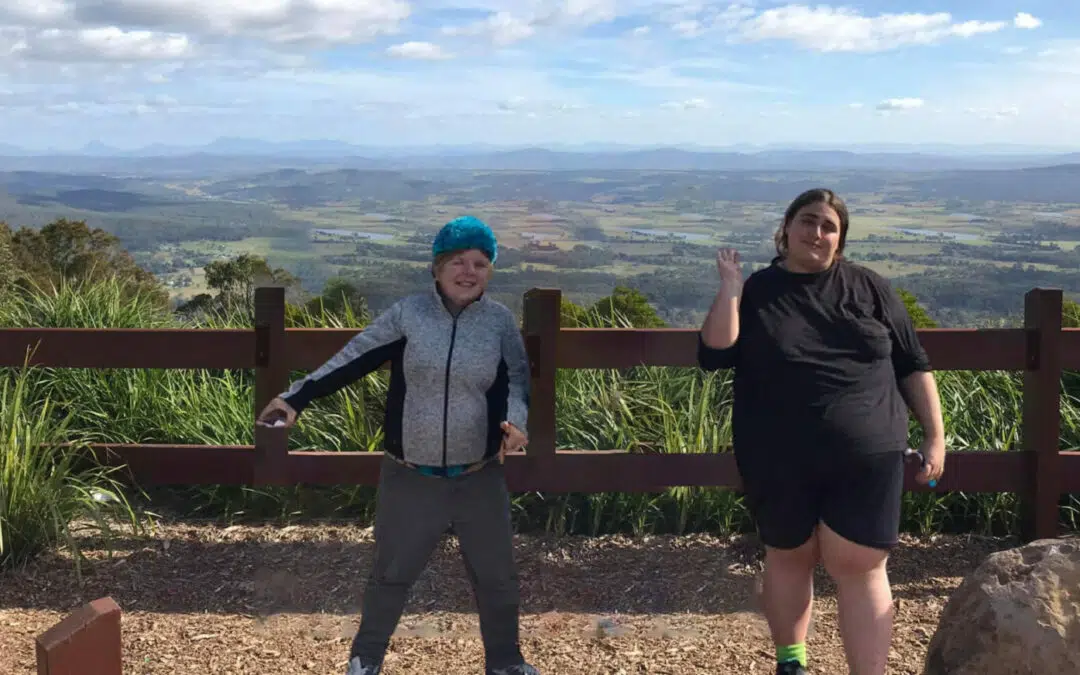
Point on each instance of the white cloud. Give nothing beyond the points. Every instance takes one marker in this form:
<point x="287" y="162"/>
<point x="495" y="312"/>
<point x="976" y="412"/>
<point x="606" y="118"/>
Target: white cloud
<point x="91" y="30"/>
<point x="99" y="44"/>
<point x="128" y="70"/>
<point x="829" y="29"/>
<point x="666" y="77"/>
<point x="278" y="21"/>
<point x="1060" y="57"/>
<point x="504" y="27"/>
<point x="425" y="93"/>
<point x="501" y="29"/>
<point x="425" y="51"/>
<point x="1025" y="20"/>
<point x="34" y="12"/>
<point x="970" y="28"/>
<point x="104" y="106"/>
<point x="1004" y="113"/>
<point x="536" y="108"/>
<point x="585" y="12"/>
<point x="688" y="28"/>
<point x="900" y="104"/>
<point x="514" y="103"/>
<point x="688" y="104"/>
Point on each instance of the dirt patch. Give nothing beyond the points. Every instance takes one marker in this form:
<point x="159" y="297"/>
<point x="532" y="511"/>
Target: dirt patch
<point x="273" y="600"/>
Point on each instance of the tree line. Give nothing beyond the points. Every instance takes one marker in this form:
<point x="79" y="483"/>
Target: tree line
<point x="70" y="250"/>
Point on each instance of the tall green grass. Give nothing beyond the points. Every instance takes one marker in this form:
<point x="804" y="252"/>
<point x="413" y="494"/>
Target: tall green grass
<point x="646" y="409"/>
<point x="48" y="492"/>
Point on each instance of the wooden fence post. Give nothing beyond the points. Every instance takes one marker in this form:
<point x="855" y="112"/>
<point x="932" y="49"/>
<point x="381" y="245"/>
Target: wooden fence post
<point x="542" y="320"/>
<point x="85" y="642"/>
<point x="271" y="378"/>
<point x="1041" y="424"/>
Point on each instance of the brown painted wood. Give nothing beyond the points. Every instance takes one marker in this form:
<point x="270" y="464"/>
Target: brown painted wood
<point x="1070" y="348"/>
<point x="1070" y="471"/>
<point x="948" y="348"/>
<point x="309" y="348"/>
<point x="976" y="471"/>
<point x="173" y="464"/>
<point x="271" y="379"/>
<point x="1041" y="423"/>
<point x="1041" y="349"/>
<point x="566" y="471"/>
<point x="619" y="471"/>
<point x="127" y="348"/>
<point x="85" y="642"/>
<point x="542" y="319"/>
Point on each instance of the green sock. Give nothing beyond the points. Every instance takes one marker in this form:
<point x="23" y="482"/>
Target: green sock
<point x="792" y="653"/>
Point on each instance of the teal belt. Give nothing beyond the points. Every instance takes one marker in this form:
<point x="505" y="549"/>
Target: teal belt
<point x="451" y="471"/>
<point x="444" y="471"/>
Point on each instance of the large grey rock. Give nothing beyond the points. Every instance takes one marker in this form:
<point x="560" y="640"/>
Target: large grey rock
<point x="1017" y="613"/>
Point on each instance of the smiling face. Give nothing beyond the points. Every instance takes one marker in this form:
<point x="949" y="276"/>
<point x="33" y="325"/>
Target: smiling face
<point x="463" y="275"/>
<point x="814" y="231"/>
<point x="813" y="237"/>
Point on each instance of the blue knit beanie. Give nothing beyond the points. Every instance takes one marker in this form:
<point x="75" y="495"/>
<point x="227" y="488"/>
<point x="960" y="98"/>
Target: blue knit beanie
<point x="463" y="233"/>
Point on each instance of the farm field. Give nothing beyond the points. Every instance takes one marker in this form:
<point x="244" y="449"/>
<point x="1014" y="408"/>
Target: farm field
<point x="612" y="583"/>
<point x="584" y="232"/>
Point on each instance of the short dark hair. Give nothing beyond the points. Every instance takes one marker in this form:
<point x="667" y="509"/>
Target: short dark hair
<point x="813" y="196"/>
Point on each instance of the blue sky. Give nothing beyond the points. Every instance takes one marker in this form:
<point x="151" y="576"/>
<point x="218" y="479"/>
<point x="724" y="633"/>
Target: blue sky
<point x="513" y="72"/>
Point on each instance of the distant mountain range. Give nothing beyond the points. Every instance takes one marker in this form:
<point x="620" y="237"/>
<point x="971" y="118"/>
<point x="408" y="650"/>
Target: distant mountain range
<point x="231" y="155"/>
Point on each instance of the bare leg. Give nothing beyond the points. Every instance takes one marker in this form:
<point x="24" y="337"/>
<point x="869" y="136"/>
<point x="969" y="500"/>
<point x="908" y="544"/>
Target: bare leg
<point x="864" y="600"/>
<point x="788" y="591"/>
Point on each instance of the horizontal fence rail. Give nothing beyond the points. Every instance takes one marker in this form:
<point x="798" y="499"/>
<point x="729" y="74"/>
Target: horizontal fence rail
<point x="969" y="471"/>
<point x="308" y="348"/>
<point x="1039" y="472"/>
<point x="173" y="348"/>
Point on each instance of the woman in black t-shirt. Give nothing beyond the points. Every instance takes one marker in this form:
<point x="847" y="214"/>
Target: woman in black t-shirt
<point x="827" y="364"/>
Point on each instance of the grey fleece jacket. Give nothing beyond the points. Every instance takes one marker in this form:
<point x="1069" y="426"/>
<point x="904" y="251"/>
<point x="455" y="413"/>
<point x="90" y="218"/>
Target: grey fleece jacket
<point x="453" y="380"/>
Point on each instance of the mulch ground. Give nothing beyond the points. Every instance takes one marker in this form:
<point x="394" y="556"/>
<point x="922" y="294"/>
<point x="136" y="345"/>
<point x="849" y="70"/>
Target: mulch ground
<point x="266" y="600"/>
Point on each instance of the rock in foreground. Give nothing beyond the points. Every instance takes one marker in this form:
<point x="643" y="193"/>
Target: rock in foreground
<point x="1017" y="613"/>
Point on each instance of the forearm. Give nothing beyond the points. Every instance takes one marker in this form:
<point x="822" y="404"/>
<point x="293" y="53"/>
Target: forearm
<point x="921" y="394"/>
<point x="721" y="327"/>
<point x="517" y="404"/>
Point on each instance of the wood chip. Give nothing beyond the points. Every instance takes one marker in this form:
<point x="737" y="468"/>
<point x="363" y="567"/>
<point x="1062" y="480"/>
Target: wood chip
<point x="247" y="599"/>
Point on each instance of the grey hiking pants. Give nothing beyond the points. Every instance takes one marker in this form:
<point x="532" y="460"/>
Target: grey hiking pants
<point x="413" y="511"/>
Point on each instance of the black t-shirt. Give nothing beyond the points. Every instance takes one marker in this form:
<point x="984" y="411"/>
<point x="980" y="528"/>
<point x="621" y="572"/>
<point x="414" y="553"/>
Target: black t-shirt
<point x="817" y="363"/>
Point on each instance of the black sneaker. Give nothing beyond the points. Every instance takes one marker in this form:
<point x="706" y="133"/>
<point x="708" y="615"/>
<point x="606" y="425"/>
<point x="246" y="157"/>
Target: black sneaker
<point x="522" y="669"/>
<point x="790" y="668"/>
<point x="358" y="668"/>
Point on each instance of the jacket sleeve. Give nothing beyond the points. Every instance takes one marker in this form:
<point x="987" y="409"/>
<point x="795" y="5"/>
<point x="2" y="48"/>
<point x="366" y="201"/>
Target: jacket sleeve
<point x="365" y="352"/>
<point x="518" y="372"/>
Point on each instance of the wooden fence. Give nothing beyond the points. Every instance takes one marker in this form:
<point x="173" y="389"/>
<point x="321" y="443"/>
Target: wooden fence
<point x="1039" y="472"/>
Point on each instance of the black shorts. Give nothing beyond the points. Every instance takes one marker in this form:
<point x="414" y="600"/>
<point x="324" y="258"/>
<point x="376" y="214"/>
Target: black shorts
<point x="790" y="493"/>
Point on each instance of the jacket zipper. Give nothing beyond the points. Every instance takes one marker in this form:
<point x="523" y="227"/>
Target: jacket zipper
<point x="446" y="392"/>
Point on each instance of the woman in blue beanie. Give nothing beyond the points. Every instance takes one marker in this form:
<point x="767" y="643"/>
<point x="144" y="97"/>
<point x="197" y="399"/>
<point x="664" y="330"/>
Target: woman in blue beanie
<point x="457" y="402"/>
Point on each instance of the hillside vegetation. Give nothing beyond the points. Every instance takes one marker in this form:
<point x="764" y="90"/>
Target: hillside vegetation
<point x="967" y="241"/>
<point x="663" y="409"/>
